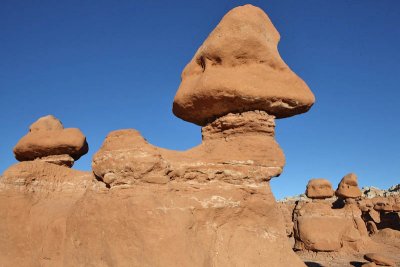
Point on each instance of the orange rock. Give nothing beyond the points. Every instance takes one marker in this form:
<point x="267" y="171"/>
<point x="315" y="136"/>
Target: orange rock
<point x="238" y="68"/>
<point x="47" y="137"/>
<point x="236" y="148"/>
<point x="383" y="205"/>
<point x="379" y="259"/>
<point x="318" y="227"/>
<point x="348" y="187"/>
<point x="319" y="188"/>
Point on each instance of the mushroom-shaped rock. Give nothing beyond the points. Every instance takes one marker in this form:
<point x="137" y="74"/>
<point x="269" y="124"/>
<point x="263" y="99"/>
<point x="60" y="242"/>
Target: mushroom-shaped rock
<point x="238" y="68"/>
<point x="48" y="141"/>
<point x="383" y="204"/>
<point x="348" y="187"/>
<point x="319" y="189"/>
<point x="379" y="259"/>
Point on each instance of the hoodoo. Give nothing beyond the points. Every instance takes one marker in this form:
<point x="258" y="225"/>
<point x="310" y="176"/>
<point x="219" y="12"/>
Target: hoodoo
<point x="147" y="206"/>
<point x="48" y="141"/>
<point x="238" y="68"/>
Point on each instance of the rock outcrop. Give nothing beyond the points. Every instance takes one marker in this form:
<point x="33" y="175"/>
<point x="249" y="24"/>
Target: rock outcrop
<point x="348" y="187"/>
<point x="343" y="226"/>
<point x="319" y="189"/>
<point x="48" y="141"/>
<point x="337" y="228"/>
<point x="236" y="148"/>
<point x="238" y="68"/>
<point x="238" y="154"/>
<point x="379" y="259"/>
<point x="147" y="206"/>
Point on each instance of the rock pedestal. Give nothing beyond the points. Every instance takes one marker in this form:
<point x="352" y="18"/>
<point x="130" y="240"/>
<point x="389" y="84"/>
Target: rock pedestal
<point x="48" y="141"/>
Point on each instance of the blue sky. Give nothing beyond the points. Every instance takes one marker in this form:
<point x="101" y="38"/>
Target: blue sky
<point x="107" y="65"/>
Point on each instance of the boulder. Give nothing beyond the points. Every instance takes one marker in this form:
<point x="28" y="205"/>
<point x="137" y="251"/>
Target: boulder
<point x="319" y="189"/>
<point x="382" y="204"/>
<point x="348" y="187"/>
<point x="238" y="68"/>
<point x="319" y="227"/>
<point x="48" y="138"/>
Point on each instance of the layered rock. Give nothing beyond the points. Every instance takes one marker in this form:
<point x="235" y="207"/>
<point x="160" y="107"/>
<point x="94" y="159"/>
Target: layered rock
<point x="48" y="141"/>
<point x="236" y="148"/>
<point x="319" y="189"/>
<point x="238" y="68"/>
<point x="207" y="206"/>
<point x="235" y="93"/>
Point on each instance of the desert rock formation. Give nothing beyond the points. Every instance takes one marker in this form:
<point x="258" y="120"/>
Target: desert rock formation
<point x="348" y="227"/>
<point x="319" y="189"/>
<point x="146" y="206"/>
<point x="238" y="68"/>
<point x="348" y="187"/>
<point x="379" y="259"/>
<point x="48" y="141"/>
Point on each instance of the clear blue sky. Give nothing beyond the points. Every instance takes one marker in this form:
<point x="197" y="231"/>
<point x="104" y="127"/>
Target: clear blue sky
<point x="107" y="65"/>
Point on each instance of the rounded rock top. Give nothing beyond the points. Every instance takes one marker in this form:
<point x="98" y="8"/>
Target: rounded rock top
<point x="319" y="188"/>
<point x="238" y="68"/>
<point x="348" y="187"/>
<point x="47" y="137"/>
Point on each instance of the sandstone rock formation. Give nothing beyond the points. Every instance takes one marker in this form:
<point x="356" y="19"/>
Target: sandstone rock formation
<point x="379" y="259"/>
<point x="48" y="141"/>
<point x="319" y="189"/>
<point x="236" y="148"/>
<point x="147" y="206"/>
<point x="238" y="68"/>
<point x="348" y="187"/>
<point x="337" y="228"/>
<point x="348" y="227"/>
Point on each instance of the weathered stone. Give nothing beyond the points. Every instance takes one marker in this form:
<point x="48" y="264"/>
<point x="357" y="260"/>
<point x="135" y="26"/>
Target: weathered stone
<point x="237" y="148"/>
<point x="318" y="227"/>
<point x="238" y="68"/>
<point x="62" y="160"/>
<point x="348" y="187"/>
<point x="382" y="204"/>
<point x="319" y="189"/>
<point x="47" y="137"/>
<point x="379" y="259"/>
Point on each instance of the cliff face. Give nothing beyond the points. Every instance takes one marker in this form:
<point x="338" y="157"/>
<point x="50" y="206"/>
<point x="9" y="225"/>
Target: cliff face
<point x="55" y="216"/>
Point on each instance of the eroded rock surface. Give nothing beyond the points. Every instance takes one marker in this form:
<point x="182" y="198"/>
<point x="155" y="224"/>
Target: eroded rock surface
<point x="56" y="216"/>
<point x="47" y="140"/>
<point x="147" y="206"/>
<point x="238" y="68"/>
<point x="319" y="227"/>
<point x="379" y="259"/>
<point x="236" y="148"/>
<point x="348" y="187"/>
<point x="319" y="189"/>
